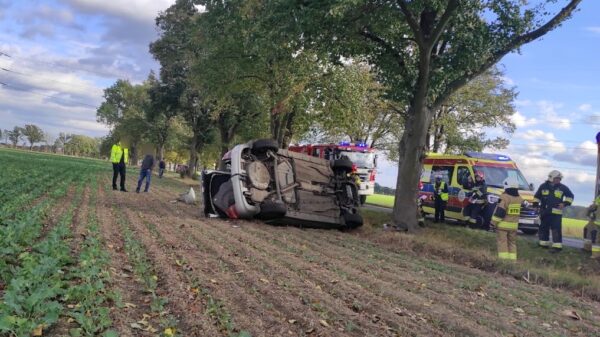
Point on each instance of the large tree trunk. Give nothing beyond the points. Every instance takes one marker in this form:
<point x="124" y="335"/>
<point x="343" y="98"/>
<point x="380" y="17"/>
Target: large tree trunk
<point x="193" y="155"/>
<point x="411" y="152"/>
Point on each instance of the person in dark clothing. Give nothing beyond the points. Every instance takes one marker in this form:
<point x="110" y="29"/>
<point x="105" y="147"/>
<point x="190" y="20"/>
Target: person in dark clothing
<point x="145" y="172"/>
<point x="440" y="194"/>
<point x="161" y="168"/>
<point x="553" y="197"/>
<point x="478" y="199"/>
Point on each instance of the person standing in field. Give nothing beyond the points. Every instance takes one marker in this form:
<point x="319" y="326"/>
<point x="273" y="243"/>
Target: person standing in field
<point x="119" y="156"/>
<point x="161" y="167"/>
<point x="440" y="195"/>
<point x="145" y="172"/>
<point x="506" y="219"/>
<point x="553" y="197"/>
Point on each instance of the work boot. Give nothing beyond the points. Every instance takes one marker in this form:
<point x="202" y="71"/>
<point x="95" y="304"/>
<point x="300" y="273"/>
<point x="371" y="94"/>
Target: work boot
<point x="115" y="188"/>
<point x="137" y="190"/>
<point x="123" y="190"/>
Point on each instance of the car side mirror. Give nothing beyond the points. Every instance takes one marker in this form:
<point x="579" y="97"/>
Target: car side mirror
<point x="531" y="187"/>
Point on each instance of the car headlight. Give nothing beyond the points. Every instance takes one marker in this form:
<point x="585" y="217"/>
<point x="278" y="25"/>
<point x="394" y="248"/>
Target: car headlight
<point x="492" y="198"/>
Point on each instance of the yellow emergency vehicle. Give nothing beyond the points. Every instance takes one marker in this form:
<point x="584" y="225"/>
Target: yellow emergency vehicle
<point x="456" y="169"/>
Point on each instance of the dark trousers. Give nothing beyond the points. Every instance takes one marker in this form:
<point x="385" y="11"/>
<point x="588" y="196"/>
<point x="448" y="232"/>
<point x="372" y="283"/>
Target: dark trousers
<point x="476" y="216"/>
<point x="440" y="206"/>
<point x="118" y="169"/>
<point x="551" y="222"/>
<point x="144" y="174"/>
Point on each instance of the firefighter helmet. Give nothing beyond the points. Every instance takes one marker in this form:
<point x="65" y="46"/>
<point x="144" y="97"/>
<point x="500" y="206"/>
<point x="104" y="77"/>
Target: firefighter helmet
<point x="554" y="174"/>
<point x="479" y="174"/>
<point x="511" y="182"/>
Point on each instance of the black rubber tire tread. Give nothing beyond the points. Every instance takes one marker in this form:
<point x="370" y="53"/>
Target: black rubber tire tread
<point x="343" y="165"/>
<point x="353" y="220"/>
<point x="271" y="210"/>
<point x="263" y="145"/>
<point x="529" y="231"/>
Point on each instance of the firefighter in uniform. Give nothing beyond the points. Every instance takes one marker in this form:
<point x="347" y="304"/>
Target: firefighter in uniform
<point x="440" y="195"/>
<point x="506" y="219"/>
<point x="553" y="197"/>
<point x="478" y="200"/>
<point x="591" y="231"/>
<point x="468" y="187"/>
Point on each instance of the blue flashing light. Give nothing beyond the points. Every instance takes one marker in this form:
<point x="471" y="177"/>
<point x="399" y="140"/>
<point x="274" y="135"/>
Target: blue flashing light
<point x="361" y="145"/>
<point x="344" y="143"/>
<point x="488" y="156"/>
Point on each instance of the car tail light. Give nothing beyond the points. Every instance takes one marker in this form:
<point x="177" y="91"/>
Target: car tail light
<point x="372" y="176"/>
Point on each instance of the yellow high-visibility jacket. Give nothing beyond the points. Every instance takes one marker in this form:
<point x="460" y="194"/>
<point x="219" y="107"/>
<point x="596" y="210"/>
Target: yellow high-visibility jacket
<point x="507" y="213"/>
<point x="116" y="152"/>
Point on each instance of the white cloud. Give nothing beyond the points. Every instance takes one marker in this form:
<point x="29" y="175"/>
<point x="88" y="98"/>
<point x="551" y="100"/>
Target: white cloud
<point x="585" y="107"/>
<point x="140" y="10"/>
<point x="583" y="154"/>
<point x="548" y="110"/>
<point x="86" y="125"/>
<point x="521" y="120"/>
<point x="508" y="81"/>
<point x="593" y="29"/>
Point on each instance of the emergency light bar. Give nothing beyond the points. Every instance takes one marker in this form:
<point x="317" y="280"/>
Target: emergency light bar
<point x="488" y="156"/>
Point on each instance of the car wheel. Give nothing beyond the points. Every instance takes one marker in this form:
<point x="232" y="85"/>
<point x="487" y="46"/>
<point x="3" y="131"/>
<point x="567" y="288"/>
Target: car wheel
<point x="271" y="210"/>
<point x="352" y="220"/>
<point x="261" y="146"/>
<point x="529" y="231"/>
<point x="343" y="165"/>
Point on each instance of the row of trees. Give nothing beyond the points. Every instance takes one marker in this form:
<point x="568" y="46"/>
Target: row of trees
<point x="71" y="144"/>
<point x="407" y="76"/>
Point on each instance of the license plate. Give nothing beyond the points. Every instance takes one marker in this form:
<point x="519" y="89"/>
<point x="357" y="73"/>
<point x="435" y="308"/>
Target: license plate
<point x="527" y="221"/>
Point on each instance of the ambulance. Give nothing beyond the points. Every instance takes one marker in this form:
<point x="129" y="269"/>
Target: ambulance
<point x="455" y="170"/>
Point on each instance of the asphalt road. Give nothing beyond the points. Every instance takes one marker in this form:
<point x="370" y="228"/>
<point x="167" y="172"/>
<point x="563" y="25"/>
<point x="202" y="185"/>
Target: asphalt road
<point x="569" y="242"/>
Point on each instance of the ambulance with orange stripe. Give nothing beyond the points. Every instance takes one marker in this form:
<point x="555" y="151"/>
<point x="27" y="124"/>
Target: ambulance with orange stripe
<point x="456" y="169"/>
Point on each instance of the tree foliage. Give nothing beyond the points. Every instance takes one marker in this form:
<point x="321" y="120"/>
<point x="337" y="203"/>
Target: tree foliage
<point x="33" y="133"/>
<point x="15" y="135"/>
<point x="425" y="51"/>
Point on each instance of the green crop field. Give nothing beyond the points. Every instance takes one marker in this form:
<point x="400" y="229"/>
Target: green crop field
<point x="571" y="227"/>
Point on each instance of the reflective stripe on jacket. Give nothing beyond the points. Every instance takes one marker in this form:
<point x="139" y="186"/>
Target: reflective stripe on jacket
<point x="116" y="152"/>
<point x="507" y="213"/>
<point x="550" y="196"/>
<point x="441" y="190"/>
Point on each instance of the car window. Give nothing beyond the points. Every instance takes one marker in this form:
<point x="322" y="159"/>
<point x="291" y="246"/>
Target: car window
<point x="462" y="175"/>
<point x="444" y="171"/>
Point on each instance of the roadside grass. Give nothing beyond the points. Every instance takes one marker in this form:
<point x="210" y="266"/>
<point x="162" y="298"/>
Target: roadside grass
<point x="571" y="269"/>
<point x="381" y="200"/>
<point x="571" y="227"/>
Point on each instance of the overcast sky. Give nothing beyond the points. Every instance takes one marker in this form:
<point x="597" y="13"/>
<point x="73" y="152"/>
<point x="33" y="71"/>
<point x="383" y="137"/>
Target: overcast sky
<point x="63" y="53"/>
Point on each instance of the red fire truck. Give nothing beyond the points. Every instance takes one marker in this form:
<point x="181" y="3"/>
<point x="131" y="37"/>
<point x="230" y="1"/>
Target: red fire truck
<point x="362" y="156"/>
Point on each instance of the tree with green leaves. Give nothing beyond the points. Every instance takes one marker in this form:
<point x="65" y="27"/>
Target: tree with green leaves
<point x="80" y="145"/>
<point x="15" y="135"/>
<point x="425" y="51"/>
<point x="123" y="110"/>
<point x="33" y="133"/>
<point x="459" y="124"/>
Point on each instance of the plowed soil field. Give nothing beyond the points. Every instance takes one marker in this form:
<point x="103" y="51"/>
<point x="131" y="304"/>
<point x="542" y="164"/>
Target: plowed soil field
<point x="234" y="277"/>
<point x="84" y="260"/>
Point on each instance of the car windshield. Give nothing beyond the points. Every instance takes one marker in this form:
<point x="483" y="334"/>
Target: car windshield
<point x="495" y="176"/>
<point x="360" y="159"/>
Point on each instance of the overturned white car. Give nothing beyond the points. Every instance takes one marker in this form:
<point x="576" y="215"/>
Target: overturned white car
<point x="282" y="187"/>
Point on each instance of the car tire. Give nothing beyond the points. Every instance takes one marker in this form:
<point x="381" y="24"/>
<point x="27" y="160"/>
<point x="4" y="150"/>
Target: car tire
<point x="343" y="165"/>
<point x="271" y="210"/>
<point x="529" y="231"/>
<point x="352" y="220"/>
<point x="261" y="146"/>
